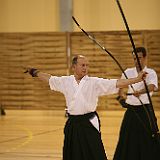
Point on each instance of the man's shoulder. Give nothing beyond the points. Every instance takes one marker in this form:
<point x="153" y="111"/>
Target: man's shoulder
<point x="150" y="70"/>
<point x="63" y="77"/>
<point x="88" y="78"/>
<point x="130" y="69"/>
<point x="92" y="79"/>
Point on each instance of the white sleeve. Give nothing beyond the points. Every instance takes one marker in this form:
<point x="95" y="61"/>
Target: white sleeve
<point x="106" y="86"/>
<point x="56" y="83"/>
<point x="153" y="79"/>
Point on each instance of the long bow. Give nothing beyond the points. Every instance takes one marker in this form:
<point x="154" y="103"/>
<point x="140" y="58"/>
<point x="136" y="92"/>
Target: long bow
<point x="109" y="53"/>
<point x="150" y="112"/>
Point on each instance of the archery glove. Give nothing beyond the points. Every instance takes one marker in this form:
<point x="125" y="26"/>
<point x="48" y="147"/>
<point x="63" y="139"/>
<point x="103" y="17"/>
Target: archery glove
<point x="122" y="102"/>
<point x="32" y="71"/>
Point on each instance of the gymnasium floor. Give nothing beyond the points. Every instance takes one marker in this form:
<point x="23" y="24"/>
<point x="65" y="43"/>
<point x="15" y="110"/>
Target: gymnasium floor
<point x="38" y="135"/>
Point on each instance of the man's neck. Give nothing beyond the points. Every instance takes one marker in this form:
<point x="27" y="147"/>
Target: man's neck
<point x="138" y="69"/>
<point x="78" y="78"/>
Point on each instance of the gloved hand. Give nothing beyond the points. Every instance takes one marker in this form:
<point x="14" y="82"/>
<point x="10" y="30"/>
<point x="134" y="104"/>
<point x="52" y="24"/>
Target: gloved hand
<point x="122" y="101"/>
<point x="32" y="71"/>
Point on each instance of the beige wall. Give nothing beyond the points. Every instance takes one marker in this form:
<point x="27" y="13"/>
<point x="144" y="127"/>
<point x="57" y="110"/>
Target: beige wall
<point x="29" y="15"/>
<point x="105" y="15"/>
<point x="93" y="15"/>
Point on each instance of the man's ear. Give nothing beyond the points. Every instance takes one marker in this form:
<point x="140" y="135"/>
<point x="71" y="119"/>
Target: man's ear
<point x="73" y="67"/>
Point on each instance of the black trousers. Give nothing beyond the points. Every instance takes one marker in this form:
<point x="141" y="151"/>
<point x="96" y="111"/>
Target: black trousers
<point x="82" y="141"/>
<point x="135" y="139"/>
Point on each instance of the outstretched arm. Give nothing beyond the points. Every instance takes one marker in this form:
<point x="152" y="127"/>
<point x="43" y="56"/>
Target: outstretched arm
<point x="44" y="76"/>
<point x="122" y="83"/>
<point x="36" y="73"/>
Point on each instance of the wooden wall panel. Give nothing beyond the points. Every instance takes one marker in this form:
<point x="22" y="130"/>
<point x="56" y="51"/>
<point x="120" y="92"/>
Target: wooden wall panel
<point x="48" y="52"/>
<point x="152" y="39"/>
<point x="45" y="51"/>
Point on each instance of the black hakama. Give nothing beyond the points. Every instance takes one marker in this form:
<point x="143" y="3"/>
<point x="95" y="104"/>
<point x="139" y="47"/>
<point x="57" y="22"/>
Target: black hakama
<point x="135" y="140"/>
<point x="82" y="140"/>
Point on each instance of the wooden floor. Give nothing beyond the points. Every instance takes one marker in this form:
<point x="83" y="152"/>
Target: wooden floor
<point x="38" y="135"/>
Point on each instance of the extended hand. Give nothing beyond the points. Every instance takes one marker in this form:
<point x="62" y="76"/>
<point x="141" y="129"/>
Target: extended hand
<point x="136" y="94"/>
<point x="26" y="69"/>
<point x="32" y="71"/>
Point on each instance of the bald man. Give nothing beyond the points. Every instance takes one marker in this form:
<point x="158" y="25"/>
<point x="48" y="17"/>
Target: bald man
<point x="82" y="136"/>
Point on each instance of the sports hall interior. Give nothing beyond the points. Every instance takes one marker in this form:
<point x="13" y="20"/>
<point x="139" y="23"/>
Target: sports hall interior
<point x="43" y="35"/>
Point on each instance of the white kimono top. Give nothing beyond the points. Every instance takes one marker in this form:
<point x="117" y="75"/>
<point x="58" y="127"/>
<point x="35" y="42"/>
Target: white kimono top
<point x="150" y="79"/>
<point x="82" y="98"/>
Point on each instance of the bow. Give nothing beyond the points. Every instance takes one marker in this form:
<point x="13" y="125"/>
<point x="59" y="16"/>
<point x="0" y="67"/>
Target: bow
<point x="104" y="49"/>
<point x="150" y="113"/>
